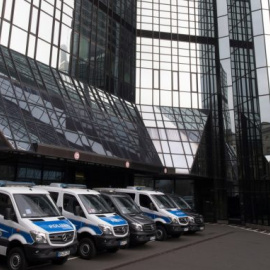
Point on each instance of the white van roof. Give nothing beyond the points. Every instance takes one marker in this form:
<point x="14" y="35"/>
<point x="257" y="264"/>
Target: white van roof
<point x="74" y="188"/>
<point x="23" y="190"/>
<point x="131" y="189"/>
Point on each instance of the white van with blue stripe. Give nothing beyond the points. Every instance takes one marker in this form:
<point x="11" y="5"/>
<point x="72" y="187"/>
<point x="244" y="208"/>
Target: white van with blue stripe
<point x="169" y="220"/>
<point x="98" y="227"/>
<point x="31" y="227"/>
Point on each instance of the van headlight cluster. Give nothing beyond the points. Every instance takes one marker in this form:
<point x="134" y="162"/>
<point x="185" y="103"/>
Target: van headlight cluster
<point x="191" y="220"/>
<point x="174" y="220"/>
<point x="137" y="227"/>
<point x="38" y="237"/>
<point x="105" y="229"/>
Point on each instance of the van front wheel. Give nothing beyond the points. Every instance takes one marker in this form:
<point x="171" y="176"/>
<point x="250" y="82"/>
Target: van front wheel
<point x="16" y="259"/>
<point x="161" y="233"/>
<point x="87" y="249"/>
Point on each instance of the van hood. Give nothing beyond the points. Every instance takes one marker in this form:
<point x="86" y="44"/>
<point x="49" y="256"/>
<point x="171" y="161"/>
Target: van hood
<point x="138" y="218"/>
<point x="177" y="212"/>
<point x="54" y="226"/>
<point x="114" y="220"/>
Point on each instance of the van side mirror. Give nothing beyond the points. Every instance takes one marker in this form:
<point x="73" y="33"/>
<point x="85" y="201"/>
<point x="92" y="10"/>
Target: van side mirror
<point x="78" y="211"/>
<point x="7" y="214"/>
<point x="152" y="207"/>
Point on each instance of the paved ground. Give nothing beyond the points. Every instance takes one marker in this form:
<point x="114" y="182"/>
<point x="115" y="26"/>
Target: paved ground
<point x="219" y="247"/>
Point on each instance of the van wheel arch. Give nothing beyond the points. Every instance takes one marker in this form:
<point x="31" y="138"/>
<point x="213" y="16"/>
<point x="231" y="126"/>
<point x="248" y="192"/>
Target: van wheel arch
<point x="161" y="232"/>
<point x="16" y="258"/>
<point x="87" y="246"/>
<point x="13" y="244"/>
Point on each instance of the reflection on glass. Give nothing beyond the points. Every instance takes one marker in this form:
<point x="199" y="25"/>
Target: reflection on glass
<point x="65" y="112"/>
<point x="177" y="137"/>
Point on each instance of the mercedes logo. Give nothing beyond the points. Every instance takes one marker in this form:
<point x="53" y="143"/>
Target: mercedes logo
<point x="64" y="237"/>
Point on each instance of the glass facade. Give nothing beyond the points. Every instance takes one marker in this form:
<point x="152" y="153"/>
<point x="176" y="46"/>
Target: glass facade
<point x="92" y="40"/>
<point x="176" y="134"/>
<point x="42" y="105"/>
<point x="211" y="55"/>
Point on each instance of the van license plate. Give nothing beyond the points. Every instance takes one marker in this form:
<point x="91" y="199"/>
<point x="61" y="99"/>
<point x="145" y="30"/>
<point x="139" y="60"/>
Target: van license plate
<point x="63" y="253"/>
<point x="185" y="229"/>
<point x="201" y="228"/>
<point x="123" y="243"/>
<point x="152" y="238"/>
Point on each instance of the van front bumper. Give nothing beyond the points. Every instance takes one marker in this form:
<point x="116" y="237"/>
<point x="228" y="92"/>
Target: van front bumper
<point x="196" y="227"/>
<point x="110" y="242"/>
<point x="43" y="252"/>
<point x="142" y="237"/>
<point x="176" y="228"/>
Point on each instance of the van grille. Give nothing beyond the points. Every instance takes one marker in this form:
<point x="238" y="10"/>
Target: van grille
<point x="183" y="221"/>
<point x="149" y="227"/>
<point x="121" y="230"/>
<point x="61" y="238"/>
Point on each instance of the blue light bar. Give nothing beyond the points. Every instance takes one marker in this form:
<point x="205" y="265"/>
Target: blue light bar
<point x="4" y="183"/>
<point x="63" y="185"/>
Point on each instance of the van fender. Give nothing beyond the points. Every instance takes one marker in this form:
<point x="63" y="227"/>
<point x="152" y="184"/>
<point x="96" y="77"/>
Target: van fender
<point x="24" y="238"/>
<point x="90" y="230"/>
<point x="161" y="220"/>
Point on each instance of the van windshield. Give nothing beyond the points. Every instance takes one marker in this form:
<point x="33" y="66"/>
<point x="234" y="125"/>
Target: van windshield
<point x="163" y="201"/>
<point x="127" y="206"/>
<point x="181" y="203"/>
<point x="35" y="206"/>
<point x="95" y="204"/>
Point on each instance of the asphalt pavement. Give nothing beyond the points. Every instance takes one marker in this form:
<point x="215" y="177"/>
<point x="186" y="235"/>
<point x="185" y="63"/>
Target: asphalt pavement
<point x="218" y="247"/>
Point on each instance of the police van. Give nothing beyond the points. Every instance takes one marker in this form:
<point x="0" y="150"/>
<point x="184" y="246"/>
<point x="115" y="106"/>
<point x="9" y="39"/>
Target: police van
<point x="142" y="228"/>
<point x="31" y="227"/>
<point x="97" y="226"/>
<point x="196" y="221"/>
<point x="169" y="220"/>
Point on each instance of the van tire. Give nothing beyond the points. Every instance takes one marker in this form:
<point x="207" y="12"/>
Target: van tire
<point x="161" y="233"/>
<point x="87" y="249"/>
<point x="16" y="259"/>
<point x="60" y="261"/>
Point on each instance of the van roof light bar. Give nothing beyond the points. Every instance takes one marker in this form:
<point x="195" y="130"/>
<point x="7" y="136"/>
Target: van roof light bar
<point x="63" y="185"/>
<point x="139" y="187"/>
<point x="5" y="183"/>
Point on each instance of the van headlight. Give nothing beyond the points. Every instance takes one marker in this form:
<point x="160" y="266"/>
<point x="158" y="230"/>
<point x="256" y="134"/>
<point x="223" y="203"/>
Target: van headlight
<point x="174" y="220"/>
<point x="191" y="220"/>
<point x="38" y="237"/>
<point x="137" y="227"/>
<point x="105" y="229"/>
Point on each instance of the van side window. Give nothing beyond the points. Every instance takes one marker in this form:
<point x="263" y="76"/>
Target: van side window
<point x="70" y="203"/>
<point x="54" y="195"/>
<point x="5" y="202"/>
<point x="144" y="201"/>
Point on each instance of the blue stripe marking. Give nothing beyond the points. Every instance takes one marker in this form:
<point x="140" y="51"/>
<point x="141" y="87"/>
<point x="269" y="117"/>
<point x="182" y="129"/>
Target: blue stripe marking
<point x="154" y="216"/>
<point x="177" y="213"/>
<point x="54" y="226"/>
<point x="114" y="220"/>
<point x="80" y="224"/>
<point x="7" y="231"/>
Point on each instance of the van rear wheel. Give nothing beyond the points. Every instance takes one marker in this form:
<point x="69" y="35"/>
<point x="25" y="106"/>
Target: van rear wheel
<point x="161" y="233"/>
<point x="16" y="259"/>
<point x="87" y="249"/>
